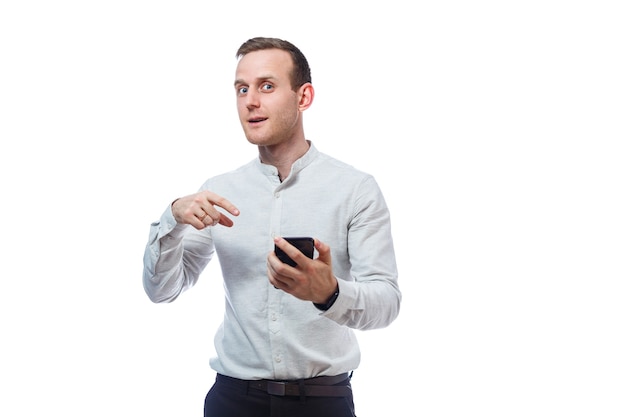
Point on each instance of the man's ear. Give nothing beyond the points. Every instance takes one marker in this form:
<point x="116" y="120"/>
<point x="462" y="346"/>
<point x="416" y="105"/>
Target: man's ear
<point x="306" y="92"/>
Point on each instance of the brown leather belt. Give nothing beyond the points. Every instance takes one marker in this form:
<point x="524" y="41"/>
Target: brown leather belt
<point x="321" y="386"/>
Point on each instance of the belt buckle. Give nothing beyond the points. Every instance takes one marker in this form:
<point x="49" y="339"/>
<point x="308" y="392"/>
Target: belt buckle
<point x="276" y="388"/>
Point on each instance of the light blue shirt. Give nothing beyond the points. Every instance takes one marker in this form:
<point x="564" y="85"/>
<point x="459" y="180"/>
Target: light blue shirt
<point x="267" y="333"/>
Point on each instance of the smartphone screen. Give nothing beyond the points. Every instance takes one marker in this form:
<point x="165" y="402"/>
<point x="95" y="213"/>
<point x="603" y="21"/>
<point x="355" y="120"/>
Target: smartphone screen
<point x="305" y="244"/>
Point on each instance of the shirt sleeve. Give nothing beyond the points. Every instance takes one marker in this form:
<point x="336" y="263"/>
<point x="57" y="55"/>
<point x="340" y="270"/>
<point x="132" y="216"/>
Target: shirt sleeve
<point x="371" y="299"/>
<point x="174" y="257"/>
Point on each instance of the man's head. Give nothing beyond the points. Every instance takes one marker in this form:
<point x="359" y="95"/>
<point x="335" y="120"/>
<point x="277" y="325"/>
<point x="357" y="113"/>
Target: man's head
<point x="301" y="72"/>
<point x="273" y="86"/>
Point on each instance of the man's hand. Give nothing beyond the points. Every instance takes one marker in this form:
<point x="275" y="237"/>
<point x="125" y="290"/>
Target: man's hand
<point x="311" y="280"/>
<point x="199" y="210"/>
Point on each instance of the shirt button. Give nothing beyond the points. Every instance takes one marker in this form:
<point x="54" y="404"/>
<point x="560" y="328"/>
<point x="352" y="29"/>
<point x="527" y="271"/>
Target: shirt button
<point x="274" y="317"/>
<point x="277" y="359"/>
<point x="277" y="195"/>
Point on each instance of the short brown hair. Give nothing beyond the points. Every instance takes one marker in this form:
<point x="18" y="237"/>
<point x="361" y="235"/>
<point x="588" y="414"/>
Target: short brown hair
<point x="301" y="73"/>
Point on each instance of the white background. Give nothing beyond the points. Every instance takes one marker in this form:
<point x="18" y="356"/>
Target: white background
<point x="495" y="129"/>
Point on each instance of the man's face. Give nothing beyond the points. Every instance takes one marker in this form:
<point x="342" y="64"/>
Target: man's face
<point x="267" y="105"/>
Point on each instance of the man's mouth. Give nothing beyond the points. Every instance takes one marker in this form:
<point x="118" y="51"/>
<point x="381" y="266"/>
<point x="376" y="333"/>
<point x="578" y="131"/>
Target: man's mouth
<point x="257" y="120"/>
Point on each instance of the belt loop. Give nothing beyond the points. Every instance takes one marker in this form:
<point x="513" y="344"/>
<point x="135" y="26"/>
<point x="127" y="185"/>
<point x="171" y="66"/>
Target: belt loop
<point x="302" y="387"/>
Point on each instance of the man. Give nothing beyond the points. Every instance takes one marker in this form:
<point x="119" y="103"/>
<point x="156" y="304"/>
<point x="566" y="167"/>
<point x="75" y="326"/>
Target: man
<point x="286" y="345"/>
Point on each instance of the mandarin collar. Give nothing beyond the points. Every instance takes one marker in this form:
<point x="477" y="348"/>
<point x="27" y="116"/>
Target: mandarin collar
<point x="298" y="165"/>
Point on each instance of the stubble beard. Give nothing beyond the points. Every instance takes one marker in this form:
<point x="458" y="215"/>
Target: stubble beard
<point x="270" y="135"/>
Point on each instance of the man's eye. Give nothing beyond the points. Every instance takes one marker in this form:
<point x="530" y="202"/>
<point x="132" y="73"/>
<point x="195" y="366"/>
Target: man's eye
<point x="242" y="90"/>
<point x="267" y="87"/>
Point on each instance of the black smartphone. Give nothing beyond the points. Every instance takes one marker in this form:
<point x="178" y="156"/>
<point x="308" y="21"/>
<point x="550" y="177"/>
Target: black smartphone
<point x="305" y="244"/>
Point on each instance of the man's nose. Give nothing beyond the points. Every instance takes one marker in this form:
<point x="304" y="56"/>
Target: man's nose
<point x="252" y="99"/>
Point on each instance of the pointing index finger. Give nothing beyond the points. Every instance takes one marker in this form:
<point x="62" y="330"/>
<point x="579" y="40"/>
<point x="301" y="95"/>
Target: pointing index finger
<point x="220" y="201"/>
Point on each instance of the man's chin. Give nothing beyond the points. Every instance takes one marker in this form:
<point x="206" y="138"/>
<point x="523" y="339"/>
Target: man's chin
<point x="258" y="140"/>
<point x="254" y="140"/>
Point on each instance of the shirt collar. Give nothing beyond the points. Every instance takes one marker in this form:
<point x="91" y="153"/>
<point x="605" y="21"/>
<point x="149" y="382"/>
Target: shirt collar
<point x="298" y="165"/>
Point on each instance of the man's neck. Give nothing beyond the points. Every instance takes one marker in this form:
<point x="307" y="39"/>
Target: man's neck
<point x="283" y="156"/>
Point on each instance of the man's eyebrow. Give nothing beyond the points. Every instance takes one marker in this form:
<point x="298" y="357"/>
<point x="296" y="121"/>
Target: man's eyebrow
<point x="261" y="78"/>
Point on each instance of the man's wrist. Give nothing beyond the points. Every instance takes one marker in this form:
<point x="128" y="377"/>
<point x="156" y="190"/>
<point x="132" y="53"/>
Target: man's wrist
<point x="329" y="303"/>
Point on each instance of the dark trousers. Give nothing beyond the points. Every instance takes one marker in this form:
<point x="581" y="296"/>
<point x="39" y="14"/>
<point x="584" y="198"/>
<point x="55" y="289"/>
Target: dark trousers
<point x="230" y="397"/>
